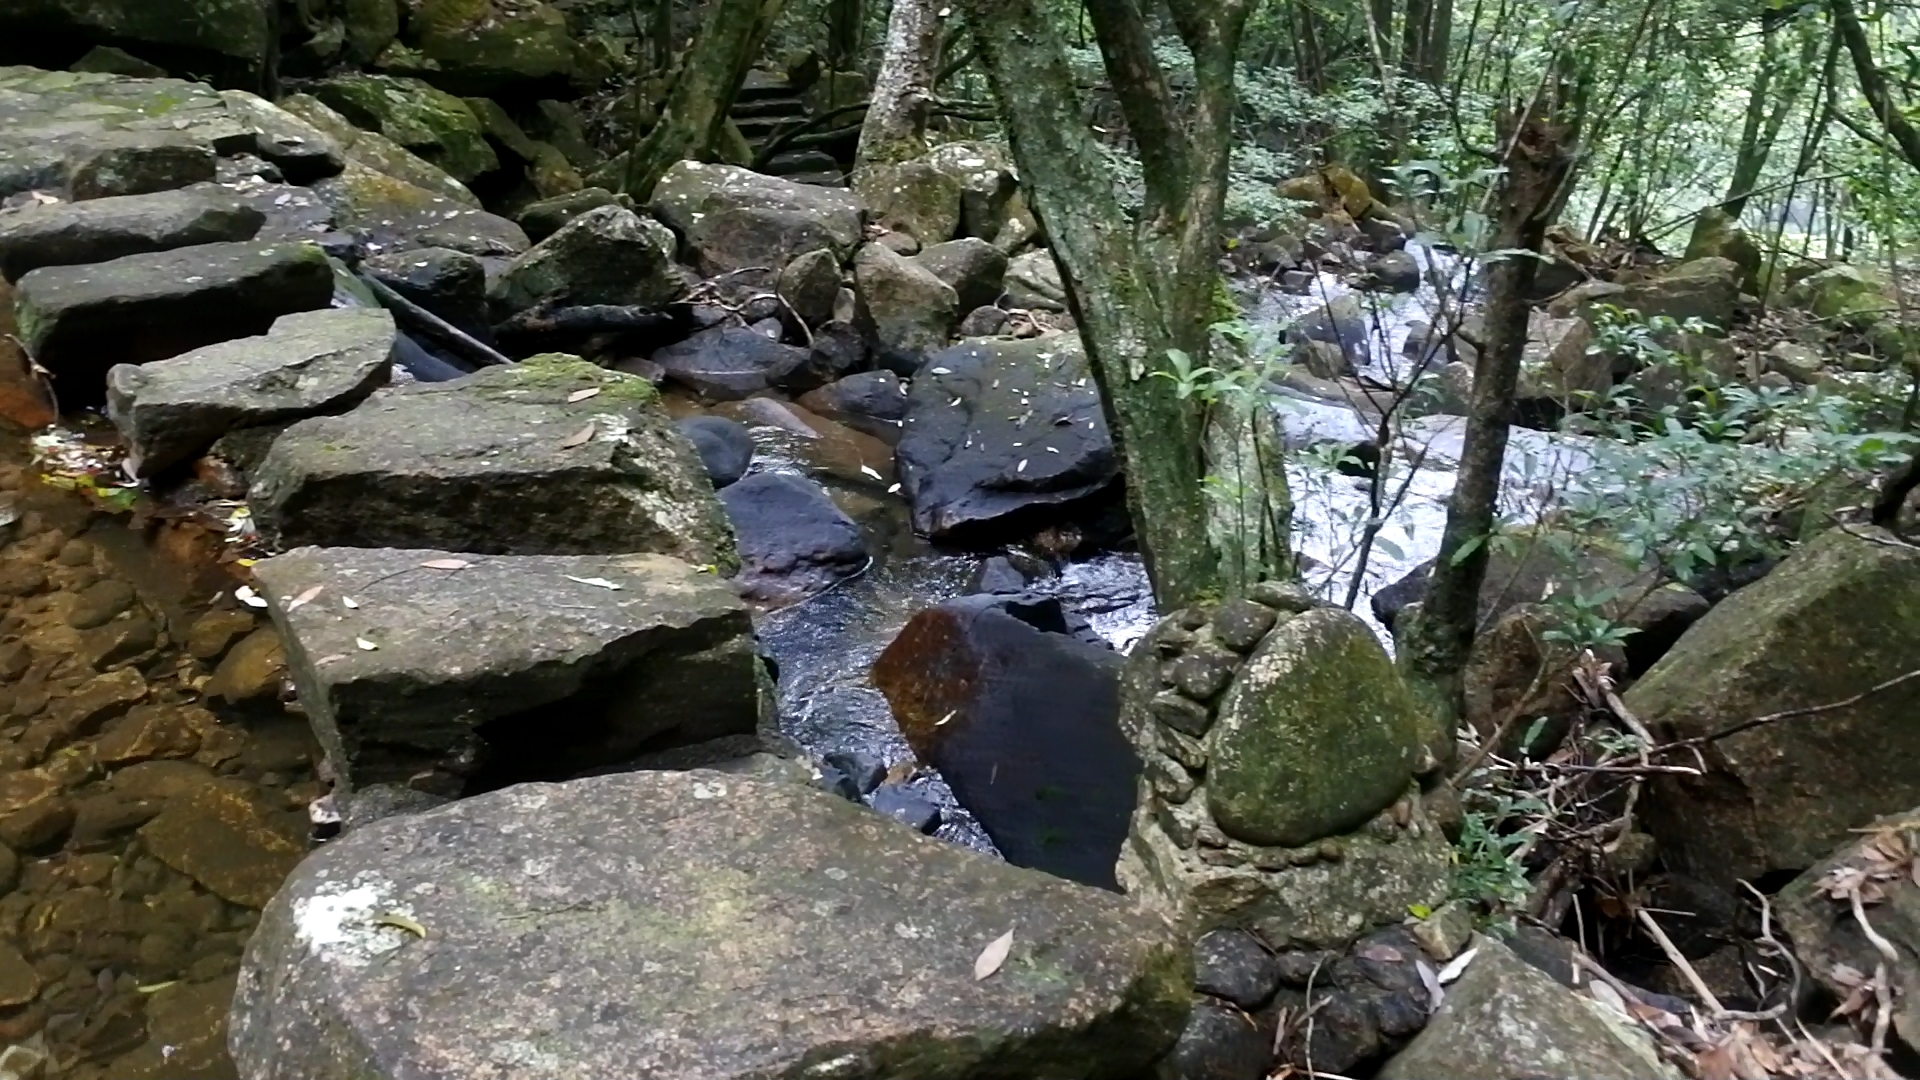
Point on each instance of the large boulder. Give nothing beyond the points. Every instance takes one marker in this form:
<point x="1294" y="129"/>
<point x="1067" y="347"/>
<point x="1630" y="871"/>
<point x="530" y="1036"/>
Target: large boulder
<point x="1033" y="281"/>
<point x="984" y="174"/>
<point x="556" y="664"/>
<point x="1557" y="369"/>
<point x="1279" y="750"/>
<point x="1718" y="234"/>
<point x="973" y="268"/>
<point x="1855" y="296"/>
<point x="450" y="284"/>
<point x="906" y="311"/>
<point x="515" y="460"/>
<point x="1345" y="323"/>
<point x="301" y="151"/>
<point x="427" y="121"/>
<point x="391" y="214"/>
<point x="234" y="40"/>
<point x="609" y="255"/>
<point x="310" y="363"/>
<point x="793" y="540"/>
<point x="1703" y="289"/>
<point x="726" y="363"/>
<point x="97" y="230"/>
<point x="375" y="151"/>
<point x="707" y="926"/>
<point x="872" y="402"/>
<point x="1505" y="1018"/>
<point x="912" y="197"/>
<point x="1020" y="719"/>
<point x="734" y="219"/>
<point x="494" y="46"/>
<point x="1837" y="617"/>
<point x="1001" y="434"/>
<point x="78" y="321"/>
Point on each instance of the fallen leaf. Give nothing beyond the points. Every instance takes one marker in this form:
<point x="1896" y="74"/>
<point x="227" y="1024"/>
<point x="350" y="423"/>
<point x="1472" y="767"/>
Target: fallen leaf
<point x="895" y="490"/>
<point x="400" y="922"/>
<point x="446" y="564"/>
<point x="578" y="438"/>
<point x="1435" y="995"/>
<point x="870" y="471"/>
<point x="993" y="956"/>
<point x="1459" y="964"/>
<point x="365" y="644"/>
<point x="247" y="596"/>
<point x="333" y="659"/>
<point x="582" y="395"/>
<point x="349" y="602"/>
<point x="597" y="582"/>
<point x="304" y="598"/>
<point x="942" y="371"/>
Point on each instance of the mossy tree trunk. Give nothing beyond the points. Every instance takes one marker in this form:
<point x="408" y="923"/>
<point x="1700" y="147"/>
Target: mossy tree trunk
<point x="694" y="118"/>
<point x="1141" y="292"/>
<point x="896" y="126"/>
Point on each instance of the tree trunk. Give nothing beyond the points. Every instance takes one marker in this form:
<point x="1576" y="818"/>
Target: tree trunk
<point x="695" y="114"/>
<point x="846" y="24"/>
<point x="1873" y="82"/>
<point x="662" y="36"/>
<point x="1439" y="635"/>
<point x="1439" y="44"/>
<point x="896" y="125"/>
<point x="1762" y="124"/>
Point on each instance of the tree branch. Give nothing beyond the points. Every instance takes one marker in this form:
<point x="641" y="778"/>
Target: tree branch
<point x="1145" y="99"/>
<point x="1873" y="82"/>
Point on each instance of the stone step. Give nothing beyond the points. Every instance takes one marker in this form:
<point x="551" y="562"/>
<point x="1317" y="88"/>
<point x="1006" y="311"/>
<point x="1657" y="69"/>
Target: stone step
<point x="703" y="926"/>
<point x="791" y="108"/>
<point x="552" y="456"/>
<point x="760" y="85"/>
<point x="79" y="321"/>
<point x="72" y="233"/>
<point x="756" y="129"/>
<point x="456" y="672"/>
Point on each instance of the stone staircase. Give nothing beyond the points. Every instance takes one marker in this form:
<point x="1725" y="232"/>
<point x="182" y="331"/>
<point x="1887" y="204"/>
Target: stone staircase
<point x="768" y="105"/>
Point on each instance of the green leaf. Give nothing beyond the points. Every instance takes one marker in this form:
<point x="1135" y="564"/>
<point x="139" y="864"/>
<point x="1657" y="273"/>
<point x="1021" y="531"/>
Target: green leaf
<point x="1466" y="550"/>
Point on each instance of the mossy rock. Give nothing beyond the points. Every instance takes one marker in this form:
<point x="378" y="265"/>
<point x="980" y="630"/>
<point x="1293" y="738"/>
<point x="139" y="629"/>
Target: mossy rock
<point x="1715" y="234"/>
<point x="1852" y="296"/>
<point x="230" y="40"/>
<point x="487" y="46"/>
<point x="430" y="122"/>
<point x="377" y="152"/>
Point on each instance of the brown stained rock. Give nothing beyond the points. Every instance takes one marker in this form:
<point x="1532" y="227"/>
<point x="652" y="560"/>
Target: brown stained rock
<point x="39" y="826"/>
<point x="19" y="983"/>
<point x="161" y="779"/>
<point x="222" y="837"/>
<point x="186" y="1034"/>
<point x="252" y="671"/>
<point x="24" y="788"/>
<point x="596" y="915"/>
<point x="81" y="713"/>
<point x="99" y="602"/>
<point x="212" y="633"/>
<point x="153" y="731"/>
<point x="120" y="641"/>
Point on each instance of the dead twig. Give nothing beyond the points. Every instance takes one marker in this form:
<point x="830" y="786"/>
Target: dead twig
<point x="1792" y="714"/>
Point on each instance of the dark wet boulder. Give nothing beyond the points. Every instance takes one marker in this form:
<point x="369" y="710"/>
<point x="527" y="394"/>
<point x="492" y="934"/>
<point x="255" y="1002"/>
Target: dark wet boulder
<point x="299" y="150"/>
<point x="123" y="163"/>
<point x="734" y="219"/>
<point x="68" y="234"/>
<point x="793" y="540"/>
<point x="451" y="284"/>
<point x="310" y="363"/>
<point x="230" y="39"/>
<point x="810" y="285"/>
<point x="555" y="664"/>
<point x="725" y="446"/>
<point x="831" y="912"/>
<point x="511" y="460"/>
<point x="1395" y="271"/>
<point x="973" y="268"/>
<point x="548" y="216"/>
<point x="907" y="313"/>
<point x="726" y="363"/>
<point x="608" y="255"/>
<point x="907" y="807"/>
<point x="874" y="402"/>
<point x="1002" y="436"/>
<point x="78" y="321"/>
<point x="1021" y="720"/>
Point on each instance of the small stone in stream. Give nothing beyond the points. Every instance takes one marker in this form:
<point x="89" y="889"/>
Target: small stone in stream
<point x="308" y="363"/>
<point x="119" y="641"/>
<point x="153" y="731"/>
<point x="974" y="269"/>
<point x="75" y="552"/>
<point x="160" y="780"/>
<point x="137" y="163"/>
<point x="548" y="216"/>
<point x="552" y="672"/>
<point x="68" y="234"/>
<point x="793" y="539"/>
<point x="727" y="363"/>
<point x="226" y="839"/>
<point x="809" y="285"/>
<point x="80" y="321"/>
<point x="725" y="446"/>
<point x="1240" y="624"/>
<point x="1094" y="986"/>
<point x="866" y="770"/>
<point x="22" y="578"/>
<point x="1220" y="1043"/>
<point x="987" y="321"/>
<point x="608" y="255"/>
<point x="100" y="602"/>
<point x="252" y="671"/>
<point x="186" y="1032"/>
<point x="907" y="807"/>
<point x="211" y="633"/>
<point x="837" y="781"/>
<point x="1230" y="964"/>
<point x="9" y="868"/>
<point x="450" y="284"/>
<point x="873" y="402"/>
<point x="15" y="658"/>
<point x="1395" y="271"/>
<point x="998" y="575"/>
<point x="508" y="460"/>
<point x="38" y="827"/>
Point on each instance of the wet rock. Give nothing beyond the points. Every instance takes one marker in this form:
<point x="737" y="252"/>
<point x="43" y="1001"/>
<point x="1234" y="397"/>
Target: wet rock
<point x="725" y="446"/>
<point x="967" y="680"/>
<point x="375" y="153"/>
<point x="100" y="602"/>
<point x="152" y="731"/>
<point x="552" y="673"/>
<point x="137" y="163"/>
<point x="793" y="539"/>
<point x="727" y="363"/>
<point x="120" y="641"/>
<point x="38" y="827"/>
<point x="1221" y="1043"/>
<point x="1344" y="322"/>
<point x="810" y="284"/>
<point x="1229" y="964"/>
<point x="1033" y="281"/>
<point x="71" y="233"/>
<point x="983" y="322"/>
<point x="873" y="402"/>
<point x="19" y="983"/>
<point x="451" y="284"/>
<point x="186" y="1033"/>
<point x="496" y="46"/>
<point x="1503" y="1018"/>
<point x="497" y="463"/>
<point x="608" y="255"/>
<point x="432" y="123"/>
<point x="1001" y="435"/>
<point x="1837" y="616"/>
<point x="973" y="268"/>
<point x="378" y="802"/>
<point x="299" y="150"/>
<point x="1092" y="986"/>
<point x="907" y="313"/>
<point x="907" y="807"/>
<point x="252" y="671"/>
<point x="307" y="364"/>
<point x="78" y="321"/>
<point x="228" y="840"/>
<point x="912" y="198"/>
<point x="731" y="219"/>
<point x="548" y="216"/>
<point x="1395" y="271"/>
<point x="211" y="634"/>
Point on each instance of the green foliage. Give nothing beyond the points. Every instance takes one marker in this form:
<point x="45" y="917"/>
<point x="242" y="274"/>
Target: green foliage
<point x="1486" y="862"/>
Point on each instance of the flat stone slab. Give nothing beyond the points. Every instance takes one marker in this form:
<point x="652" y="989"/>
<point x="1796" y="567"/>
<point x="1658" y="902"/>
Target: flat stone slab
<point x="490" y="669"/>
<point x="79" y="321"/>
<point x="68" y="234"/>
<point x="509" y="461"/>
<point x="692" y="925"/>
<point x="312" y="362"/>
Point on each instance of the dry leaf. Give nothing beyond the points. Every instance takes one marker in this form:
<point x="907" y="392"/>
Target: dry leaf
<point x="247" y="596"/>
<point x="365" y="644"/>
<point x="304" y="598"/>
<point x="597" y="582"/>
<point x="870" y="471"/>
<point x="332" y="659"/>
<point x="349" y="602"/>
<point x="993" y="956"/>
<point x="1459" y="964"/>
<point x="582" y="395"/>
<point x="1380" y="951"/>
<point x="578" y="438"/>
<point x="446" y="564"/>
<point x="1430" y="980"/>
